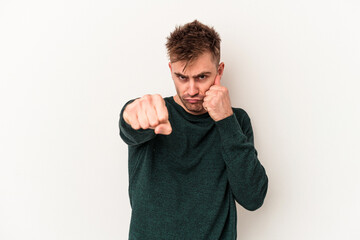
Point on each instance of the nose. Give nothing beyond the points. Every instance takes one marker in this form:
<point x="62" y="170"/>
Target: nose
<point x="193" y="88"/>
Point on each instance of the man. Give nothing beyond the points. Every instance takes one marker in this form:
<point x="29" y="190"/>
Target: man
<point x="192" y="155"/>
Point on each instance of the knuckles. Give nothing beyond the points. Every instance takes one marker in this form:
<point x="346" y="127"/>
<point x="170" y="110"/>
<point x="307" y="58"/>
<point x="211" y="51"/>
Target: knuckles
<point x="214" y="90"/>
<point x="141" y="112"/>
<point x="157" y="97"/>
<point x="147" y="98"/>
<point x="145" y="101"/>
<point x="163" y="118"/>
<point x="153" y="123"/>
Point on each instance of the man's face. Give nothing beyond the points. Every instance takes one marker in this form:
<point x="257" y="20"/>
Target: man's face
<point x="192" y="83"/>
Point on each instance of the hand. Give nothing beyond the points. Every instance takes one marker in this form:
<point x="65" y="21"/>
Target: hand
<point x="148" y="112"/>
<point x="217" y="101"/>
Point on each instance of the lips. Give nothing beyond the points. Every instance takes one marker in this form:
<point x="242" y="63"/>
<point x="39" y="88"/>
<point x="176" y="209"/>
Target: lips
<point x="193" y="100"/>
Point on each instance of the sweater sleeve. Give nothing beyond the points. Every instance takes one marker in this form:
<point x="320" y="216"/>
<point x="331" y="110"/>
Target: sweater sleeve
<point x="131" y="136"/>
<point x="247" y="177"/>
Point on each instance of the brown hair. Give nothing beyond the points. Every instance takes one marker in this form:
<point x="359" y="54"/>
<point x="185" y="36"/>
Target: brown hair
<point x="189" y="41"/>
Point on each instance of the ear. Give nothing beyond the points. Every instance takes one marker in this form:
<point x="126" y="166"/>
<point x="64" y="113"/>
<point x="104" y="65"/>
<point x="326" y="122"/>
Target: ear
<point x="221" y="69"/>
<point x="219" y="74"/>
<point x="170" y="66"/>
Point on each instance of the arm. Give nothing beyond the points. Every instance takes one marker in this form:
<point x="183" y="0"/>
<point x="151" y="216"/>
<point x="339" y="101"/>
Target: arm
<point x="246" y="175"/>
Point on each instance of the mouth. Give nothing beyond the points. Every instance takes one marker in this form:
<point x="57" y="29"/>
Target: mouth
<point x="193" y="100"/>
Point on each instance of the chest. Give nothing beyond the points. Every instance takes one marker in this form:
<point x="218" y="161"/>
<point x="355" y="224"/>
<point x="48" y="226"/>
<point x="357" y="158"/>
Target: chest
<point x="191" y="146"/>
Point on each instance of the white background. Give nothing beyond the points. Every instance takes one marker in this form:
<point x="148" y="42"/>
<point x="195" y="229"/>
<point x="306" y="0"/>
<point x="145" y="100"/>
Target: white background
<point x="67" y="68"/>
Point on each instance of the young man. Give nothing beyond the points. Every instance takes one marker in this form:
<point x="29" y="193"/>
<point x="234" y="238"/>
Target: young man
<point x="192" y="155"/>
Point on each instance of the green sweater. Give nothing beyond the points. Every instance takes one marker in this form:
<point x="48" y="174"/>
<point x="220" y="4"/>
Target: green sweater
<point x="183" y="185"/>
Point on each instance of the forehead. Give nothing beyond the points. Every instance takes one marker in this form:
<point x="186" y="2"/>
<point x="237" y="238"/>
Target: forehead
<point x="204" y="62"/>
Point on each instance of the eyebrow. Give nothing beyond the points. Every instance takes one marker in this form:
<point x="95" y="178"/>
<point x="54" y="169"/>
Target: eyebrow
<point x="196" y="76"/>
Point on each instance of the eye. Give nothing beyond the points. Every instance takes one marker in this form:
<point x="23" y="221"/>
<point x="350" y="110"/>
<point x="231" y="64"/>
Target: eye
<point x="182" y="77"/>
<point x="202" y="77"/>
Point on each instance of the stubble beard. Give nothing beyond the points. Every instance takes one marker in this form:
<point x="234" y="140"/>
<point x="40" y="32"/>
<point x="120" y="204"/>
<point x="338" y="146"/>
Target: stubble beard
<point x="196" y="108"/>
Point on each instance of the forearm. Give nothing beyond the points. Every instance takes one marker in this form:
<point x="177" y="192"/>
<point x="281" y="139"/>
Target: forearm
<point x="246" y="175"/>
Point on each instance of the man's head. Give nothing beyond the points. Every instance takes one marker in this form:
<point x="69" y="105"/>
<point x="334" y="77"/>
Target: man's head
<point x="189" y="41"/>
<point x="194" y="52"/>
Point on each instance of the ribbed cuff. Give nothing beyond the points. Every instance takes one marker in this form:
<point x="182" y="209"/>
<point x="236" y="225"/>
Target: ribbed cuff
<point x="124" y="124"/>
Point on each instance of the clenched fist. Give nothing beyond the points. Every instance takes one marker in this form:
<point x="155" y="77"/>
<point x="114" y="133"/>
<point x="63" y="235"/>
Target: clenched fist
<point x="217" y="101"/>
<point x="148" y="112"/>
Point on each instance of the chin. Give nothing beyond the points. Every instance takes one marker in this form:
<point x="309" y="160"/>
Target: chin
<point x="192" y="108"/>
<point x="195" y="109"/>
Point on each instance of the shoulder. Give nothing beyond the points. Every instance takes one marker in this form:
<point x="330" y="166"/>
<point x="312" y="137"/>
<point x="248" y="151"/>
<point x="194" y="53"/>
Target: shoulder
<point x="168" y="100"/>
<point x="170" y="103"/>
<point x="241" y="115"/>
